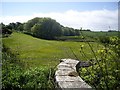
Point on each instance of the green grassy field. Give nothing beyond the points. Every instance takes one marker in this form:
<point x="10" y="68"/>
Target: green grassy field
<point x="94" y="34"/>
<point x="36" y="52"/>
<point x="90" y="36"/>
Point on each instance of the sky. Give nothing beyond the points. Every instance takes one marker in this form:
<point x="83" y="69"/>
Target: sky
<point x="97" y="16"/>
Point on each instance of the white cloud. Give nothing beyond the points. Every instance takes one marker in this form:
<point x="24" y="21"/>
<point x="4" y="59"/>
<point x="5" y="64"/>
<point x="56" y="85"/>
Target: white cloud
<point x="94" y="20"/>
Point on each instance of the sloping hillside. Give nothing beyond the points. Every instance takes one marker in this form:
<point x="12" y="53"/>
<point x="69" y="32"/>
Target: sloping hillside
<point x="38" y="52"/>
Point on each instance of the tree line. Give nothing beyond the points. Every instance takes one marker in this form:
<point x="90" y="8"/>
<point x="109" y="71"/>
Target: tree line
<point x="45" y="28"/>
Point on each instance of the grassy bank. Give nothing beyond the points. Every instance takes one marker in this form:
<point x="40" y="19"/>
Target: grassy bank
<point x="38" y="52"/>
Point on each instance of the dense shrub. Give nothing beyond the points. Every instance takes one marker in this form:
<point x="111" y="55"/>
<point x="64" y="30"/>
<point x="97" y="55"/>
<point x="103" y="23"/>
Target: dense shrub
<point x="105" y="71"/>
<point x="104" y="40"/>
<point x="35" y="78"/>
<point x="14" y="76"/>
<point x="45" y="28"/>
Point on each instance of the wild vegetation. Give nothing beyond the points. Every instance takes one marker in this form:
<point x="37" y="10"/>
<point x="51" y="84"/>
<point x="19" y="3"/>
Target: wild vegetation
<point x="34" y="58"/>
<point x="29" y="60"/>
<point x="14" y="76"/>
<point x="105" y="70"/>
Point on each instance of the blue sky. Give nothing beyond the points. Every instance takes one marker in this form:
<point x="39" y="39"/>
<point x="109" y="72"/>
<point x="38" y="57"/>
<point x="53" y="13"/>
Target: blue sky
<point x="92" y="15"/>
<point x="25" y="8"/>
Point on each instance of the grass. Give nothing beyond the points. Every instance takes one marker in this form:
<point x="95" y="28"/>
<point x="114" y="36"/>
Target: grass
<point x="98" y="34"/>
<point x="39" y="56"/>
<point x="90" y="36"/>
<point x="36" y="52"/>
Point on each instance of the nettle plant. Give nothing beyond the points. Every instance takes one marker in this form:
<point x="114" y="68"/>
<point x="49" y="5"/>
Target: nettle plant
<point x="104" y="72"/>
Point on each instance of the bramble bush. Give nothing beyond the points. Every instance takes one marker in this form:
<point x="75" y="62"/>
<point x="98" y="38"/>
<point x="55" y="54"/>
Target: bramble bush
<point x="105" y="70"/>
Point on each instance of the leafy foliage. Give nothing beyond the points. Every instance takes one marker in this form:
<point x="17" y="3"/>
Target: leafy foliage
<point x="67" y="31"/>
<point x="45" y="28"/>
<point x="4" y="30"/>
<point x="105" y="71"/>
<point x="15" y="77"/>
